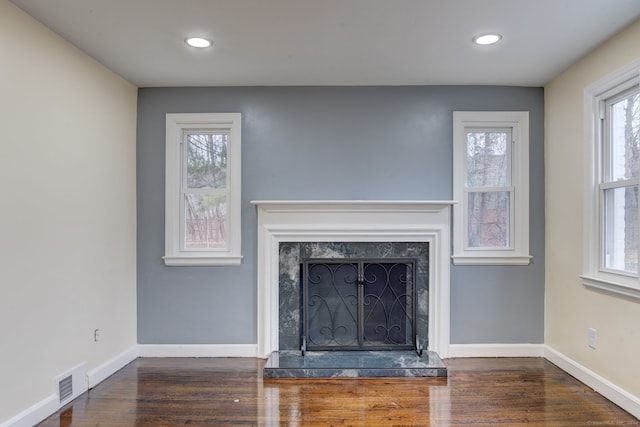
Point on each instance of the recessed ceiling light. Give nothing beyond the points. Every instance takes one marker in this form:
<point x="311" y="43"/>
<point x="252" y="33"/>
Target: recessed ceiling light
<point x="198" y="42"/>
<point x="485" y="39"/>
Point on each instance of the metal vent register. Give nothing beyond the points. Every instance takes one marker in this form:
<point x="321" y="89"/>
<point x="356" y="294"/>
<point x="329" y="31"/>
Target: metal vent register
<point x="359" y="304"/>
<point x="65" y="388"/>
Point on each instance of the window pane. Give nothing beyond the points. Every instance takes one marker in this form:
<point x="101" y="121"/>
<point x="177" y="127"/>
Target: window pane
<point x="488" y="225"/>
<point x="625" y="137"/>
<point x="207" y="160"/>
<point x="487" y="158"/>
<point x="621" y="229"/>
<point x="205" y="221"/>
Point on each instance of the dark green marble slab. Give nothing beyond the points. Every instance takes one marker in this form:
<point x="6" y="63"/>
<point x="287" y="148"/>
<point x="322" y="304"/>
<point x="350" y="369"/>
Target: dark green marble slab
<point x="353" y="364"/>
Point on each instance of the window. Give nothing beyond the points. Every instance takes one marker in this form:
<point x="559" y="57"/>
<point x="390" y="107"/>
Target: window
<point x="612" y="120"/>
<point x="491" y="173"/>
<point x="202" y="218"/>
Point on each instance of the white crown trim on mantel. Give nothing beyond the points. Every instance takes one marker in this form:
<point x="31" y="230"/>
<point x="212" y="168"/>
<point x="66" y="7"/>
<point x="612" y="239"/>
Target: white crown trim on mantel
<point x="353" y="221"/>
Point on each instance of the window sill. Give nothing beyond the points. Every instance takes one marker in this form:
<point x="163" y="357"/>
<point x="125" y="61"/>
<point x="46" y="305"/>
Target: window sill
<point x="609" y="286"/>
<point x="491" y="260"/>
<point x="202" y="261"/>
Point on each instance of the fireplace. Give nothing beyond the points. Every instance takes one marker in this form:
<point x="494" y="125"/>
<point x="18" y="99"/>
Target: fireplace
<point x="296" y="226"/>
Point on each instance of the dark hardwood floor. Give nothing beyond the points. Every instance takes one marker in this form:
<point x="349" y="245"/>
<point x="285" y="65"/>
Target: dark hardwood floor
<point x="231" y="392"/>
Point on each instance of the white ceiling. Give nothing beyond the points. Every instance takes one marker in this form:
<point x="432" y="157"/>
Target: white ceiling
<point x="335" y="42"/>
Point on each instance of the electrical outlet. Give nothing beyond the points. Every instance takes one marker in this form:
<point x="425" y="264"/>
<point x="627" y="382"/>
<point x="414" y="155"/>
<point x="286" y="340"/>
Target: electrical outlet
<point x="96" y="335"/>
<point x="592" y="338"/>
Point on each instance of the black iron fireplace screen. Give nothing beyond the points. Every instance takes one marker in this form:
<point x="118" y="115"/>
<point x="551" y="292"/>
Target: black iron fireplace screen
<point x="356" y="304"/>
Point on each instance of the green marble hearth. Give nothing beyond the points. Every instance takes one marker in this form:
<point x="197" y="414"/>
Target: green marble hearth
<point x="353" y="364"/>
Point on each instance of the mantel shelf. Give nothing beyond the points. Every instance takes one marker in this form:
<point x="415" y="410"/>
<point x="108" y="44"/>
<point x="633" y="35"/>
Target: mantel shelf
<point x="353" y="202"/>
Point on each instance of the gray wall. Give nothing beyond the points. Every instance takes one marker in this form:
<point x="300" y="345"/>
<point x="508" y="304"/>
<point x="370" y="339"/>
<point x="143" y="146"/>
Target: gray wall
<point x="329" y="143"/>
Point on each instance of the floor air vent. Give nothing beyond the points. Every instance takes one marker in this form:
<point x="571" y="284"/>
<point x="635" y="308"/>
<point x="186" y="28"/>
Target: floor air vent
<point x="71" y="384"/>
<point x="65" y="388"/>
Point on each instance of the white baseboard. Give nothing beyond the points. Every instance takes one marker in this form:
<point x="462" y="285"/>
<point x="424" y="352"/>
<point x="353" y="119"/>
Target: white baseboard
<point x="496" y="350"/>
<point x="36" y="413"/>
<point x="50" y="405"/>
<point x="197" y="350"/>
<point x="617" y="395"/>
<point x="110" y="367"/>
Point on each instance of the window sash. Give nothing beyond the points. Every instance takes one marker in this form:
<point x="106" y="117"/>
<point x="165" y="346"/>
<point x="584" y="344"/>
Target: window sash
<point x="616" y="257"/>
<point x="185" y="159"/>
<point x="609" y="126"/>
<point x="508" y="159"/>
<point x="492" y="223"/>
<point x="498" y="168"/>
<point x="615" y="248"/>
<point x="211" y="227"/>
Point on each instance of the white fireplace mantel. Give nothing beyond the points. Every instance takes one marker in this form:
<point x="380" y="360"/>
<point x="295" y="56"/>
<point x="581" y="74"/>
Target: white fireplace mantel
<point x="353" y="221"/>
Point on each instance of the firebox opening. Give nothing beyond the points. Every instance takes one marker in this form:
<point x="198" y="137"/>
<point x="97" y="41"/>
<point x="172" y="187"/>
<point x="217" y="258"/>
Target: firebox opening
<point x="412" y="258"/>
<point x="359" y="304"/>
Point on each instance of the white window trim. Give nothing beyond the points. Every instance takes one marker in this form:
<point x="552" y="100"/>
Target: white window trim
<point x="176" y="125"/>
<point x="593" y="275"/>
<point x="518" y="253"/>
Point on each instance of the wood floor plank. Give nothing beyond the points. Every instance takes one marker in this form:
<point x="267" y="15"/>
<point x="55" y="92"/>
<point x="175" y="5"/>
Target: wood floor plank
<point x="231" y="392"/>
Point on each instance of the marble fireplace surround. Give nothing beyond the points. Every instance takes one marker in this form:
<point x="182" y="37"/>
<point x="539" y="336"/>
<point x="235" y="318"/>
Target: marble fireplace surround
<point x="293" y="254"/>
<point x="353" y="221"/>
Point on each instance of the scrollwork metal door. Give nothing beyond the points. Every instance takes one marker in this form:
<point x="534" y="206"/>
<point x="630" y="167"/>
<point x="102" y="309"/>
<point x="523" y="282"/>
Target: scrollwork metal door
<point x="355" y="304"/>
